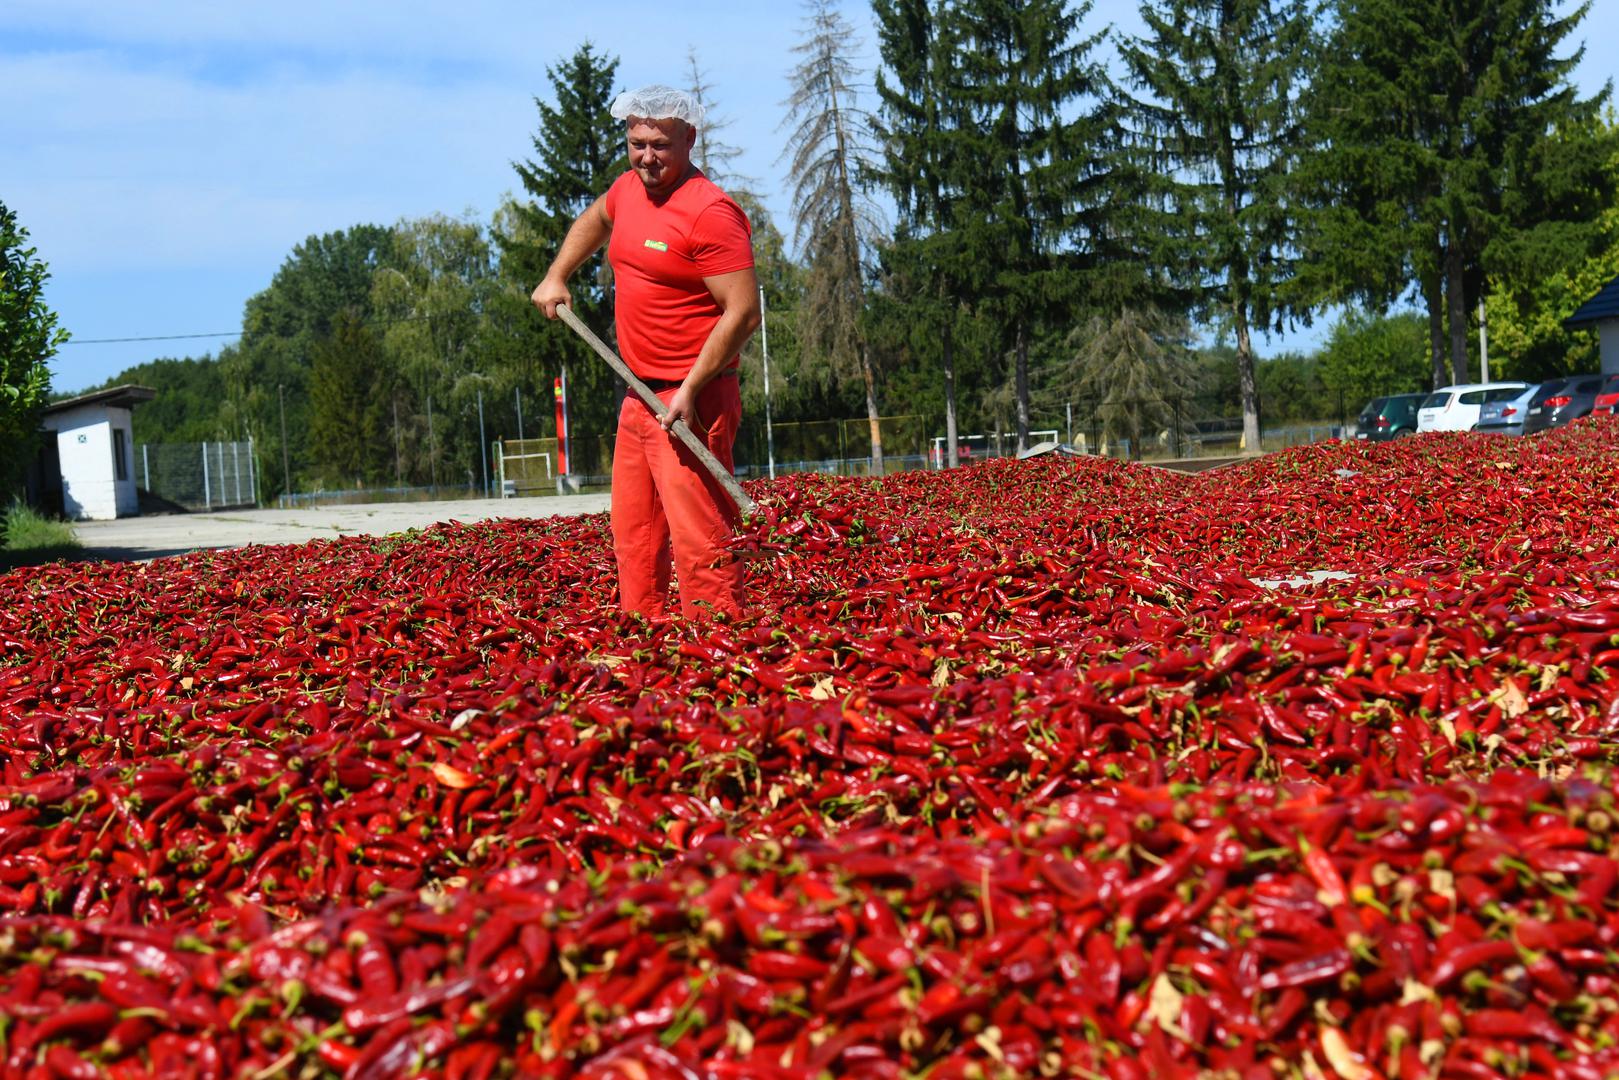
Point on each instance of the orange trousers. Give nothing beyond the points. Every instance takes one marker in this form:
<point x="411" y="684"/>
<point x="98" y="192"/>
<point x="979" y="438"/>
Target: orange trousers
<point x="664" y="499"/>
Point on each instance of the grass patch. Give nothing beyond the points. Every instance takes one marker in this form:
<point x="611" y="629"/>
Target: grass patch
<point x="30" y="538"/>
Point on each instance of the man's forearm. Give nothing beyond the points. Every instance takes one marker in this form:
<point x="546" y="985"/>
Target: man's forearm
<point x="586" y="235"/>
<point x="724" y="342"/>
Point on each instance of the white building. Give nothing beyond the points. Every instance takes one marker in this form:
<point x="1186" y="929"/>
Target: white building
<point x="93" y="453"/>
<point x="1601" y="312"/>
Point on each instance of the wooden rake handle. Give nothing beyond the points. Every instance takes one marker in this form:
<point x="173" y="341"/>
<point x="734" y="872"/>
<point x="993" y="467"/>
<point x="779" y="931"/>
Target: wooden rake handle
<point x="684" y="433"/>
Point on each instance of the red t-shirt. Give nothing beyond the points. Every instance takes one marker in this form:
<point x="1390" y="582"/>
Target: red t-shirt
<point x="660" y="253"/>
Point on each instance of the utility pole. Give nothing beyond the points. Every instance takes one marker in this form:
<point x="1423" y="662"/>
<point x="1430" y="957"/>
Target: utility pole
<point x="517" y="393"/>
<point x="483" y="447"/>
<point x="286" y="460"/>
<point x="432" y="458"/>
<point x="764" y="347"/>
<point x="399" y="461"/>
<point x="1483" y="344"/>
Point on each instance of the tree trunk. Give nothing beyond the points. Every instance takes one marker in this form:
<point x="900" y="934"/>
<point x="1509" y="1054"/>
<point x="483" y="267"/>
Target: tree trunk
<point x="952" y="451"/>
<point x="1434" y="294"/>
<point x="1247" y="384"/>
<point x="871" y="410"/>
<point x="1021" y="384"/>
<point x="1456" y="305"/>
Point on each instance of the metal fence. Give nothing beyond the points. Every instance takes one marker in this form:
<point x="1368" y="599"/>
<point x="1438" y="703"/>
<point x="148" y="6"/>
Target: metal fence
<point x="1168" y="427"/>
<point x="198" y="476"/>
<point x="535" y="466"/>
<point x="363" y="496"/>
<point x="1165" y="428"/>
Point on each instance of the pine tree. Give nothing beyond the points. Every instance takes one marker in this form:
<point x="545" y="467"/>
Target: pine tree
<point x="1215" y="123"/>
<point x="579" y="152"/>
<point x="1039" y="165"/>
<point x="831" y="150"/>
<point x="927" y="274"/>
<point x="1137" y="366"/>
<point x="348" y="388"/>
<point x="1453" y="147"/>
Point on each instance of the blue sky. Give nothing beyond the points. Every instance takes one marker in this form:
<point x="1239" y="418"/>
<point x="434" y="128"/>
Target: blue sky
<point x="167" y="155"/>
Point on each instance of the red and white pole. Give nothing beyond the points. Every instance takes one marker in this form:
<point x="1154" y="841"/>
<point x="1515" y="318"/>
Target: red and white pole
<point x="562" y="422"/>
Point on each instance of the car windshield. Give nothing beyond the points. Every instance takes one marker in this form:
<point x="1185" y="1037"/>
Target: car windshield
<point x="1371" y="410"/>
<point x="1436" y="400"/>
<point x="1503" y="393"/>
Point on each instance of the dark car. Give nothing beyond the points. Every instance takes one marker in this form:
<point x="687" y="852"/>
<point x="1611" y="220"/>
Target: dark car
<point x="1607" y="399"/>
<point x="1387" y="418"/>
<point x="1562" y="401"/>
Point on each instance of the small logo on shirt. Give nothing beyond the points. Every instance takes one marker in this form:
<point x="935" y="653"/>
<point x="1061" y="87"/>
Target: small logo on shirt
<point x="657" y="245"/>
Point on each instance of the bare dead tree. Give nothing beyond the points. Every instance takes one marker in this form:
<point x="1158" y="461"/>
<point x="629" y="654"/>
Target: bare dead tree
<point x="712" y="153"/>
<point x="831" y="150"/>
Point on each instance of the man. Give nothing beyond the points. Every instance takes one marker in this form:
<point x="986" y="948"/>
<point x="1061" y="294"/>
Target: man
<point x="686" y="301"/>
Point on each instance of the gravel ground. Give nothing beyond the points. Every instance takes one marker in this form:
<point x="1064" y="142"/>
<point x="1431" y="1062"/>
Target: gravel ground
<point x="154" y="536"/>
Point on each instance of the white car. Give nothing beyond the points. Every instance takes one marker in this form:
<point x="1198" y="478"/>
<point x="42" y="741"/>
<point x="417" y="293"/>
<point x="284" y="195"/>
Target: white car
<point x="1456" y="408"/>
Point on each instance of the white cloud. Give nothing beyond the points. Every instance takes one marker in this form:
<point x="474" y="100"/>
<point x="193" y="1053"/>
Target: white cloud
<point x="170" y="136"/>
<point x="125" y="167"/>
<point x="192" y="134"/>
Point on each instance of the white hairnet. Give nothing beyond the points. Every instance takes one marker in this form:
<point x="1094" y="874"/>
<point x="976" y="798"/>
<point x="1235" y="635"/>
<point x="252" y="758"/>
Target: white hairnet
<point x="657" y="102"/>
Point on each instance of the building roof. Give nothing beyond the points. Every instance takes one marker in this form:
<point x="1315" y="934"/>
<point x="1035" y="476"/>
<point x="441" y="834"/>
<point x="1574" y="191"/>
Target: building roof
<point x="114" y="397"/>
<point x="1600" y="308"/>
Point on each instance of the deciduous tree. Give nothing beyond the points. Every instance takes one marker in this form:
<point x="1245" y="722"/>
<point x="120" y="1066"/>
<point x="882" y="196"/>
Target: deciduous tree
<point x="29" y="337"/>
<point x="1525" y="305"/>
<point x="322" y="278"/>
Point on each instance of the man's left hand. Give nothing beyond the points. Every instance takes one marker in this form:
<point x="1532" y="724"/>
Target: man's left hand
<point x="683" y="406"/>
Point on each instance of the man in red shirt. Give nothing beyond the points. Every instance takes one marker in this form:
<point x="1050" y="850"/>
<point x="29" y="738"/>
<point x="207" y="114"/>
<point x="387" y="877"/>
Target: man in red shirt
<point x="686" y="301"/>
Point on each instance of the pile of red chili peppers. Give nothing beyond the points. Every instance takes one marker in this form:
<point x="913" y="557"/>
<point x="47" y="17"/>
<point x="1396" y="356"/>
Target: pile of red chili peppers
<point x="1055" y="768"/>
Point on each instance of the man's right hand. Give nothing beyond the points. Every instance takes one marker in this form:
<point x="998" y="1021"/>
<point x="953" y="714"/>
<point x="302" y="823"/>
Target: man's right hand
<point x="548" y="294"/>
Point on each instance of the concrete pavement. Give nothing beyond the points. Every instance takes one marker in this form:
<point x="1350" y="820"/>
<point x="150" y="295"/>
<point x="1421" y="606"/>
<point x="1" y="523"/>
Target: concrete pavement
<point x="154" y="536"/>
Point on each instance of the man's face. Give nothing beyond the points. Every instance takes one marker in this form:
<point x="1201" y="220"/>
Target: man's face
<point x="660" y="151"/>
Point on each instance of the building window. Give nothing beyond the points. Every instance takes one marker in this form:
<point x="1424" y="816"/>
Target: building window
<point x="120" y="454"/>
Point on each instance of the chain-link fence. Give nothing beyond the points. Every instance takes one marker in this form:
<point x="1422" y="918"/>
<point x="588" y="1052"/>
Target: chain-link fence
<point x="1158" y="428"/>
<point x="198" y="476"/>
<point x="835" y="446"/>
<point x="534" y="466"/>
<point x="1164" y="428"/>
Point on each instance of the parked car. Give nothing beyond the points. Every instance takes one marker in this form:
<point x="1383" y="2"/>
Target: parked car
<point x="1456" y="408"/>
<point x="1387" y="418"/>
<point x="1607" y="399"/>
<point x="1507" y="417"/>
<point x="1564" y="403"/>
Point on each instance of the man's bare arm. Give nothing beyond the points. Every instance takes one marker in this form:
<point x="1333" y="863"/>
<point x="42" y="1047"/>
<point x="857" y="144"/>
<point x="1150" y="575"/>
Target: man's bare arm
<point x="585" y="237"/>
<point x="737" y="294"/>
